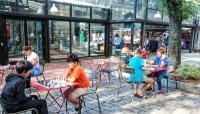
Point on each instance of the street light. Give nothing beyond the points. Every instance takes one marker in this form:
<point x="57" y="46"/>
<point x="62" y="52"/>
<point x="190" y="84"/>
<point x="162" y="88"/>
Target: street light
<point x="157" y="15"/>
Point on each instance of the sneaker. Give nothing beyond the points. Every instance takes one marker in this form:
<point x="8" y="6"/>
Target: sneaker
<point x="149" y="89"/>
<point x="138" y="96"/>
<point x="77" y="108"/>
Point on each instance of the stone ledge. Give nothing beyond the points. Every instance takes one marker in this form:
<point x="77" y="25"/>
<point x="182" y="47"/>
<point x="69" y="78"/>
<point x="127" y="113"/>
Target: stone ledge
<point x="187" y="87"/>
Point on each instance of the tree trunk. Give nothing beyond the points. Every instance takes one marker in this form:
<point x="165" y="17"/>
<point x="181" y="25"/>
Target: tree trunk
<point x="175" y="41"/>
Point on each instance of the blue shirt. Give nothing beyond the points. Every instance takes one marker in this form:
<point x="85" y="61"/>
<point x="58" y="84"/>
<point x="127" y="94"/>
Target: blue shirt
<point x="158" y="60"/>
<point x="136" y="63"/>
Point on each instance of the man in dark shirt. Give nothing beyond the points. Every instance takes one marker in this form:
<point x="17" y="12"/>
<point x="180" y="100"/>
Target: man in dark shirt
<point x="13" y="95"/>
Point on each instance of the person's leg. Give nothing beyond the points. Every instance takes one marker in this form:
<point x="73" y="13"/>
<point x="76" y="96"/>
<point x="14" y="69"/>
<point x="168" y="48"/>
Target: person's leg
<point x="75" y="94"/>
<point x="159" y="81"/>
<point x="39" y="104"/>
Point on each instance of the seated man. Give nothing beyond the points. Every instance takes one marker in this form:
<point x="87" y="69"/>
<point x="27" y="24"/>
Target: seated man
<point x="137" y="63"/>
<point x="76" y="75"/>
<point x="34" y="59"/>
<point x="161" y="61"/>
<point x="13" y="96"/>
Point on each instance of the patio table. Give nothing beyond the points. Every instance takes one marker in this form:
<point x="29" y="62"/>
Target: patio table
<point x="51" y="85"/>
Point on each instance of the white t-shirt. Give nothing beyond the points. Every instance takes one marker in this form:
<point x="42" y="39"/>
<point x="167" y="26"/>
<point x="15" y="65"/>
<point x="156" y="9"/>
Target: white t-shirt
<point x="32" y="56"/>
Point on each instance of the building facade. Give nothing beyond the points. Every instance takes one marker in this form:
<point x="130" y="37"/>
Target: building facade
<point x="57" y="28"/>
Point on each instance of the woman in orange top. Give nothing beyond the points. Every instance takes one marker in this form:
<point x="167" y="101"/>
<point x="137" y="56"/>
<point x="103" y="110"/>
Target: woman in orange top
<point x="75" y="74"/>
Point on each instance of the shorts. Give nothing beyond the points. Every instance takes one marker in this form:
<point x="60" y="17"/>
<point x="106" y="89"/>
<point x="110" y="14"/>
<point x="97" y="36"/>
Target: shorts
<point x="147" y="80"/>
<point x="74" y="92"/>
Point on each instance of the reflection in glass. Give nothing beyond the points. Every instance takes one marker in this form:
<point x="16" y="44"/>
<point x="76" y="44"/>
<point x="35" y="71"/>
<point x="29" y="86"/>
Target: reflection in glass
<point x="31" y="6"/>
<point x="137" y="34"/>
<point x="59" y="39"/>
<point x="80" y="38"/>
<point x="15" y="39"/>
<point x="99" y="13"/>
<point x="140" y="12"/>
<point x="97" y="39"/>
<point x="8" y="5"/>
<point x="123" y="31"/>
<point x="35" y="36"/>
<point x="123" y="10"/>
<point x="80" y="11"/>
<point x="151" y="15"/>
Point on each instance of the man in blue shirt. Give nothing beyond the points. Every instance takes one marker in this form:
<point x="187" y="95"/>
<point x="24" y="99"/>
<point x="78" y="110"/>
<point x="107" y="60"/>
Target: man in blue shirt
<point x="137" y="63"/>
<point x="161" y="61"/>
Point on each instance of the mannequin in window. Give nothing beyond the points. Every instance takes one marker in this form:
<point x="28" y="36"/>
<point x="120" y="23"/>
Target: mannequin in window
<point x="62" y="42"/>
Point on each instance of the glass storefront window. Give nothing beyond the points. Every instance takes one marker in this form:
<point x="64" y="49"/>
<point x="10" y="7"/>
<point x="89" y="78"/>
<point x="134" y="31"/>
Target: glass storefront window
<point x="151" y="15"/>
<point x="59" y="39"/>
<point x="35" y="36"/>
<point x="58" y="9"/>
<point x="31" y="6"/>
<point x="123" y="10"/>
<point x="15" y="38"/>
<point x="152" y="4"/>
<point x="8" y="5"/>
<point x="140" y="14"/>
<point x="99" y="13"/>
<point x="81" y="11"/>
<point x="97" y="39"/>
<point x="165" y="18"/>
<point x="137" y="34"/>
<point x="121" y="34"/>
<point x="80" y="38"/>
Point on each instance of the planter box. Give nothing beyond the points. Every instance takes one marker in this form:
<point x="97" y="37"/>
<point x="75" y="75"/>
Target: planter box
<point x="192" y="86"/>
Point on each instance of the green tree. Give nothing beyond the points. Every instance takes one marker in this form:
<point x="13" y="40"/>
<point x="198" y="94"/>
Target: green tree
<point x="178" y="11"/>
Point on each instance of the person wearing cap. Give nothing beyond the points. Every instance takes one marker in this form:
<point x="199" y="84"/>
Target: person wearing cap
<point x="13" y="96"/>
<point x="75" y="74"/>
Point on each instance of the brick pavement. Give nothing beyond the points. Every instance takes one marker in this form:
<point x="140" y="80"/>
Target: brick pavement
<point x="175" y="102"/>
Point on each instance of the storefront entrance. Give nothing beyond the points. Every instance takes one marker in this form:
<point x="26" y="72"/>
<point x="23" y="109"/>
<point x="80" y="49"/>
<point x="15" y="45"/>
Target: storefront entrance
<point x="17" y="34"/>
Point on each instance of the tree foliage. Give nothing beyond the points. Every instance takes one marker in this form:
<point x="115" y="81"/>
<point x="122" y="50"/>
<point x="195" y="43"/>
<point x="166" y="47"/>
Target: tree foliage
<point x="178" y="11"/>
<point x="186" y="8"/>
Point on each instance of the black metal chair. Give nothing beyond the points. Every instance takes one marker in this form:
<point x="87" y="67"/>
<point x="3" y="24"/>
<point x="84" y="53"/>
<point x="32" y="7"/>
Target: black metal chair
<point x="42" y="65"/>
<point x="92" y="76"/>
<point x="20" y="112"/>
<point x="170" y="72"/>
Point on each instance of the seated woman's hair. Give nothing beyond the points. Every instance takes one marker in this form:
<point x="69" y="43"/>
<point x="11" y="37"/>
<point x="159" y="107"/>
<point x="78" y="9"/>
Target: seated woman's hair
<point x="23" y="66"/>
<point x="138" y="51"/>
<point x="73" y="58"/>
<point x="26" y="48"/>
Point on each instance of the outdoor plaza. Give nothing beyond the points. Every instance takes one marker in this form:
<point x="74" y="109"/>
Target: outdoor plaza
<point x="174" y="101"/>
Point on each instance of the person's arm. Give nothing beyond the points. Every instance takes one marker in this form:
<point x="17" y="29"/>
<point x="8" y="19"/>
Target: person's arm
<point x="164" y="62"/>
<point x="66" y="74"/>
<point x="20" y="95"/>
<point x="34" y="61"/>
<point x="75" y="74"/>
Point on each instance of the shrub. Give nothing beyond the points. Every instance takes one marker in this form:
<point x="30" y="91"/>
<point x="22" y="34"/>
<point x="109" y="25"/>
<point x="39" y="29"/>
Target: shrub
<point x="188" y="71"/>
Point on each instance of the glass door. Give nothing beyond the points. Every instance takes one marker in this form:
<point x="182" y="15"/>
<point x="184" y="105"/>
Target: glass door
<point x="35" y="39"/>
<point x="15" y="39"/>
<point x="21" y="33"/>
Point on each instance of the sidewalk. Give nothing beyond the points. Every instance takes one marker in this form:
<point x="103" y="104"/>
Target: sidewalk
<point x="176" y="102"/>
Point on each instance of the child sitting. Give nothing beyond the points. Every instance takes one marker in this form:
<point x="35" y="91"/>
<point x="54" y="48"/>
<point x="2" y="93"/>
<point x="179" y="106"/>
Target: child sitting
<point x="137" y="77"/>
